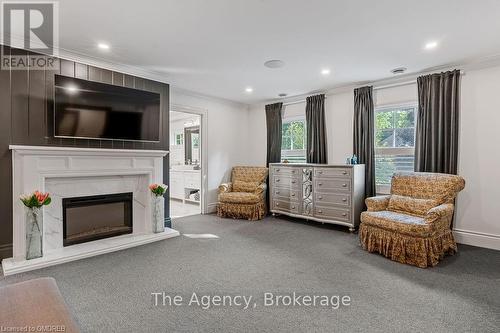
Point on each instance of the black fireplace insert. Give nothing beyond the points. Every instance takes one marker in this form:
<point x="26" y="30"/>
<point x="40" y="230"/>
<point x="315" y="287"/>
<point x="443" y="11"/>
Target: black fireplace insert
<point x="96" y="217"/>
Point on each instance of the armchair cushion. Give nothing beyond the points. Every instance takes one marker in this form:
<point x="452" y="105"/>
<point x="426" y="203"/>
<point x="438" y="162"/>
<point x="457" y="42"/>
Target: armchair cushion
<point x="242" y="186"/>
<point x="412" y="206"/>
<point x="399" y="222"/>
<point x="239" y="198"/>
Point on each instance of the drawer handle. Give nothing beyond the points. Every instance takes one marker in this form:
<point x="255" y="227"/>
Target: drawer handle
<point x="319" y="184"/>
<point x="277" y="204"/>
<point x="277" y="180"/>
<point x="320" y="172"/>
<point x="293" y="194"/>
<point x="320" y="197"/>
<point x="277" y="192"/>
<point x="293" y="171"/>
<point x="294" y="181"/>
<point x="344" y="200"/>
<point x="344" y="214"/>
<point x="320" y="211"/>
<point x="277" y="170"/>
<point x="344" y="185"/>
<point x="344" y="173"/>
<point x="293" y="207"/>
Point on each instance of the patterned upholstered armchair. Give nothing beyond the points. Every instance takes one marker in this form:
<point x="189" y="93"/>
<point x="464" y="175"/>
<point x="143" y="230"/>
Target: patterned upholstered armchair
<point x="412" y="225"/>
<point x="245" y="196"/>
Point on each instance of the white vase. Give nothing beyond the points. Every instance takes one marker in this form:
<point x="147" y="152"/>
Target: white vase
<point x="34" y="234"/>
<point x="157" y="213"/>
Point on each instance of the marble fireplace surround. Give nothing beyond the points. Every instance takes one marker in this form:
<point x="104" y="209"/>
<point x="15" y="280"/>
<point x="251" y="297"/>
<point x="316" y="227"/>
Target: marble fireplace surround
<point x="73" y="172"/>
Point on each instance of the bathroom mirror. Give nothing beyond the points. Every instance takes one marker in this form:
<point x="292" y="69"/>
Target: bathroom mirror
<point x="192" y="145"/>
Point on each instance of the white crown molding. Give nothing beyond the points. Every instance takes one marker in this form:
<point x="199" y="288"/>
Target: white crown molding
<point x="141" y="72"/>
<point x="464" y="65"/>
<point x="468" y="64"/>
<point x="194" y="94"/>
<point x="135" y="71"/>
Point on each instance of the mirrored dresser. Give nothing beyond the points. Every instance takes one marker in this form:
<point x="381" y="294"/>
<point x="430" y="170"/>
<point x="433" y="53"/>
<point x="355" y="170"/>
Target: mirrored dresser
<point x="318" y="192"/>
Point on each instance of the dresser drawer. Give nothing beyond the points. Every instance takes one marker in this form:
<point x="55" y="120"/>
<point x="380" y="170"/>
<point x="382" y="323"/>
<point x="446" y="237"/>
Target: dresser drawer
<point x="286" y="181"/>
<point x="333" y="172"/>
<point x="286" y="206"/>
<point x="325" y="199"/>
<point x="332" y="185"/>
<point x="286" y="171"/>
<point x="287" y="193"/>
<point x="333" y="213"/>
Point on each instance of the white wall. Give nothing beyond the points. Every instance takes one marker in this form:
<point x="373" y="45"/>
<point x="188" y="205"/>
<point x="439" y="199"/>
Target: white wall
<point x="477" y="221"/>
<point x="226" y="137"/>
<point x="339" y="110"/>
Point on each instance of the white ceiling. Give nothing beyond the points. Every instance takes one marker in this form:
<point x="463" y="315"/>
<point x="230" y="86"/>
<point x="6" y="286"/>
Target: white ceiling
<point x="218" y="47"/>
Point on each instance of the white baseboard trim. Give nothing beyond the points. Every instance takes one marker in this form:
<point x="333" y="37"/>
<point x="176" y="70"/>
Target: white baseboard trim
<point x="211" y="208"/>
<point x="479" y="239"/>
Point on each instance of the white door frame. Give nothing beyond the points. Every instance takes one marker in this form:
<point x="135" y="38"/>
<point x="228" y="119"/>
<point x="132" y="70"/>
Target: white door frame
<point x="203" y="113"/>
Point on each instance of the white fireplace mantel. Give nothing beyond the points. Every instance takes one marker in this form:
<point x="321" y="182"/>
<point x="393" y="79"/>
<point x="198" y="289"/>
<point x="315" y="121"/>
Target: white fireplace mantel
<point x="70" y="172"/>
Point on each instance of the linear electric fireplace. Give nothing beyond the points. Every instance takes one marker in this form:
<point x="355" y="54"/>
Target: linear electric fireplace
<point x="95" y="217"/>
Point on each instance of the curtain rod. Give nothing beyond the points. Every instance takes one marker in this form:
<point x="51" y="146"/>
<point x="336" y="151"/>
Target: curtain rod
<point x="297" y="102"/>
<point x="385" y="86"/>
<point x="399" y="84"/>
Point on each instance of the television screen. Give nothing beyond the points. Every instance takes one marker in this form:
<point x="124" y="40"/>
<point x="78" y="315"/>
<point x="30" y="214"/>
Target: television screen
<point x="86" y="109"/>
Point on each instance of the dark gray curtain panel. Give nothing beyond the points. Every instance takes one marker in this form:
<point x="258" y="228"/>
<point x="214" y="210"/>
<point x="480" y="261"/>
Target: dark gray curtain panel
<point x="274" y="123"/>
<point x="436" y="146"/>
<point x="364" y="135"/>
<point x="316" y="129"/>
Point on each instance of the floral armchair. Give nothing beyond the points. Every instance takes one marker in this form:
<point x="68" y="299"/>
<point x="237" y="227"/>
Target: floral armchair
<point x="245" y="196"/>
<point x="412" y="225"/>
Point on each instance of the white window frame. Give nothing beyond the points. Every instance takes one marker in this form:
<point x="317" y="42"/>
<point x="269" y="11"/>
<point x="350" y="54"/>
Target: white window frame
<point x="391" y="151"/>
<point x="176" y="135"/>
<point x="295" y="152"/>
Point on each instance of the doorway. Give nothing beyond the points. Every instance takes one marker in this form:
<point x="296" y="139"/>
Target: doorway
<point x="187" y="167"/>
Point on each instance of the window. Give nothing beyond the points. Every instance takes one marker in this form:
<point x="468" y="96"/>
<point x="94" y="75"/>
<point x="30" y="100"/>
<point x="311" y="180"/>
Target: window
<point x="179" y="139"/>
<point x="293" y="145"/>
<point x="394" y="143"/>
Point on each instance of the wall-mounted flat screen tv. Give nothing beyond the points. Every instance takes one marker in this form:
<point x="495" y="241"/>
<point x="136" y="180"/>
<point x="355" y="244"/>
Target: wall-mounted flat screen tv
<point x="93" y="110"/>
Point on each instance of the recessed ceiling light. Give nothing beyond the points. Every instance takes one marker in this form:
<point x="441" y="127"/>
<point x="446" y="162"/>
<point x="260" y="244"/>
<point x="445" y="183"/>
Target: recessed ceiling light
<point x="249" y="89"/>
<point x="399" y="70"/>
<point x="325" y="71"/>
<point x="274" y="63"/>
<point x="431" y="45"/>
<point x="103" y="46"/>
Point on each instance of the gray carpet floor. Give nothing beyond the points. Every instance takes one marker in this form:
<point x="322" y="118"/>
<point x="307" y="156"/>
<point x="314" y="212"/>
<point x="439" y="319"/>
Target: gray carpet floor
<point x="112" y="292"/>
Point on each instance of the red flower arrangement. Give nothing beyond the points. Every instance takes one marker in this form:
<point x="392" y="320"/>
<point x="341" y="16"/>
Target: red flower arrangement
<point x="158" y="189"/>
<point x="36" y="199"/>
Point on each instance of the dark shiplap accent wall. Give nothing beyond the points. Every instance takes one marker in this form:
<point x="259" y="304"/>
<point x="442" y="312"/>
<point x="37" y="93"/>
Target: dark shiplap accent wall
<point x="26" y="118"/>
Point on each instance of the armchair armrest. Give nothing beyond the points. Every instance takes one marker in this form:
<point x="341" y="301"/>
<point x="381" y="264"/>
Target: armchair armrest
<point x="261" y="189"/>
<point x="444" y="211"/>
<point x="225" y="187"/>
<point x="378" y="203"/>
